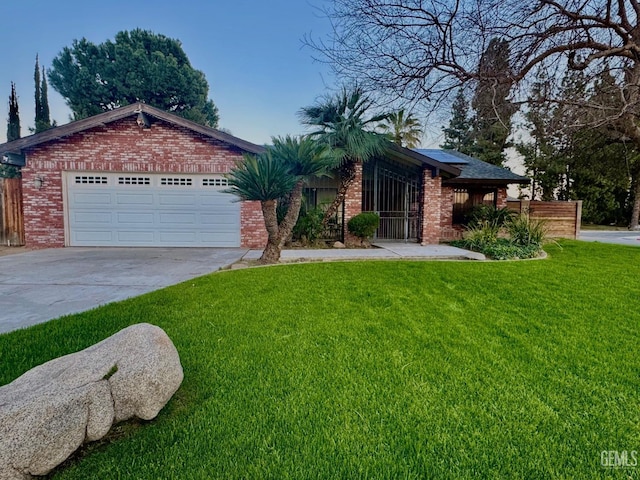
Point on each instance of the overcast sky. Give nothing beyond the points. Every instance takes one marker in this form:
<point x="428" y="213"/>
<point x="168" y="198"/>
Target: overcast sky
<point x="251" y="52"/>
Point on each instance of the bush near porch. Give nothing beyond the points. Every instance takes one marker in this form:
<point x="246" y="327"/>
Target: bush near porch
<point x="455" y="370"/>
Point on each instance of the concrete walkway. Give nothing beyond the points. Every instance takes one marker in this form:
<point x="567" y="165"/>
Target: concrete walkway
<point x="385" y="251"/>
<point x="619" y="237"/>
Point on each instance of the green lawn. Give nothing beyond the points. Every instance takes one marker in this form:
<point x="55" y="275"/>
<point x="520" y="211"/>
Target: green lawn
<point x="390" y="370"/>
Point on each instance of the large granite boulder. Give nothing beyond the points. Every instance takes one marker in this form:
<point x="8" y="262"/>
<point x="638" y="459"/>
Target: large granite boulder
<point x="48" y="412"/>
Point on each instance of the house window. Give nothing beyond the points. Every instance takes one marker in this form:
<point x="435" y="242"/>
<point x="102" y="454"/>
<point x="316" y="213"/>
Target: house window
<point x="90" y="179"/>
<point x="134" y="180"/>
<point x="215" y="182"/>
<point x="465" y="199"/>
<point x="176" y="181"/>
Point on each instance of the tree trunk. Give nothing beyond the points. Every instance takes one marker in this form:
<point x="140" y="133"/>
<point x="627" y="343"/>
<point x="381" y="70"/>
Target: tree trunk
<point x="291" y="217"/>
<point x="271" y="253"/>
<point x="635" y="213"/>
<point x="347" y="175"/>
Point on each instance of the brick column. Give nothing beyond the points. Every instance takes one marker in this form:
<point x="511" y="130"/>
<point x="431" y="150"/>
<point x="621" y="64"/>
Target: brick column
<point x="353" y="203"/>
<point x="501" y="197"/>
<point x="431" y="208"/>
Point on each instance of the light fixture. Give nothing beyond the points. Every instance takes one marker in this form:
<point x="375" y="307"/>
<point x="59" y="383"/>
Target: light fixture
<point x="38" y="182"/>
<point x="142" y="120"/>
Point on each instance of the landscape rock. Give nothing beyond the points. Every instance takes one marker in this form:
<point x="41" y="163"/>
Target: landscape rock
<point x="51" y="410"/>
<point x="339" y="245"/>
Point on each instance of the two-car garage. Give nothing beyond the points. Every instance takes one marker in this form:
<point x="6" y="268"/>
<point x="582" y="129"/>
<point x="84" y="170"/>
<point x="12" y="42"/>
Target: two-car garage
<point x="150" y="209"/>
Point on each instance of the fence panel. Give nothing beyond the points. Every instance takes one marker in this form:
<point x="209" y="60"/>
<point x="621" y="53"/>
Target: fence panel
<point x="562" y="218"/>
<point x="11" y="218"/>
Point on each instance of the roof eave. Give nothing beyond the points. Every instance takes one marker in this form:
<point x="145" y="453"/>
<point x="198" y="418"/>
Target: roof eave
<point x="421" y="160"/>
<point x="17" y="147"/>
<point x="486" y="181"/>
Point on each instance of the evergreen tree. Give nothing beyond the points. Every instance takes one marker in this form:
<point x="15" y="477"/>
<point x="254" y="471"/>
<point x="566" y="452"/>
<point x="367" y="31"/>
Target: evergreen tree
<point x="13" y="132"/>
<point x="493" y="110"/>
<point x="13" y="126"/>
<point x="544" y="162"/>
<point x="44" y="102"/>
<point x="457" y="136"/>
<point x="138" y="66"/>
<point x="43" y="118"/>
<point x="38" y="95"/>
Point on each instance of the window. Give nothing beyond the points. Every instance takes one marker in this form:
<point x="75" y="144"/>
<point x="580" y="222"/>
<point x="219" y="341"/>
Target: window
<point x="215" y="182"/>
<point x="464" y="200"/>
<point x="134" y="180"/>
<point x="176" y="181"/>
<point x="90" y="179"/>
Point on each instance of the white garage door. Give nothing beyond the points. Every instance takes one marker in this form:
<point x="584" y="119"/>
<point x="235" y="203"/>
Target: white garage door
<point x="168" y="210"/>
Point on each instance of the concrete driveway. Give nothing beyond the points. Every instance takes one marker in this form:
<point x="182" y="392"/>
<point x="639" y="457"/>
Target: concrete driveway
<point x="40" y="285"/>
<point x="620" y="237"/>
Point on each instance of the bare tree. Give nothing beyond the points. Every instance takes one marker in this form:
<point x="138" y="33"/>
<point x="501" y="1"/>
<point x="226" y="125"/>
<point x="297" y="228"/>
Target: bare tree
<point x="419" y="51"/>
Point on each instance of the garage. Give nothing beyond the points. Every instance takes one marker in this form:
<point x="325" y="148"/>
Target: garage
<point x="134" y="176"/>
<point x="150" y="210"/>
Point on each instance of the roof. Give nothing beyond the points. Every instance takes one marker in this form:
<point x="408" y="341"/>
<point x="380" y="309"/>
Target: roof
<point x="418" y="158"/>
<point x="17" y="147"/>
<point x="472" y="169"/>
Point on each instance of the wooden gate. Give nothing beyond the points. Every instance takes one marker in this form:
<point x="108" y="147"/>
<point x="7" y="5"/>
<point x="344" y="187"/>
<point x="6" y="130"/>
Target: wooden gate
<point x="11" y="218"/>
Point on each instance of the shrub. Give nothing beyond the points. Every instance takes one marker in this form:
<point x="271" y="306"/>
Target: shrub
<point x="309" y="226"/>
<point x="364" y="225"/>
<point x="525" y="230"/>
<point x="488" y="214"/>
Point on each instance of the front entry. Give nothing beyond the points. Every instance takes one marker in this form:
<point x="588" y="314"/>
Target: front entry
<point x="394" y="194"/>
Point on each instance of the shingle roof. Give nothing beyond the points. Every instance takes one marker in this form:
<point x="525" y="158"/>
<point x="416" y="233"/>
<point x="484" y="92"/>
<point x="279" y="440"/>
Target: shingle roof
<point x="17" y="146"/>
<point x="472" y="169"/>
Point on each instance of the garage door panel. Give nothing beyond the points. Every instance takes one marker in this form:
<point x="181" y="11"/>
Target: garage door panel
<point x="88" y="198"/>
<point x="177" y="218"/>
<point x="134" y="199"/>
<point x="179" y="200"/>
<point x="178" y="212"/>
<point x="88" y="218"/>
<point x="136" y="218"/>
<point x="100" y="236"/>
<point x="136" y="237"/>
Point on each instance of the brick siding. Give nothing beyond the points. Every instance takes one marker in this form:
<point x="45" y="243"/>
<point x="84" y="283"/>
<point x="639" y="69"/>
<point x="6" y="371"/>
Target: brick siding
<point x="122" y="146"/>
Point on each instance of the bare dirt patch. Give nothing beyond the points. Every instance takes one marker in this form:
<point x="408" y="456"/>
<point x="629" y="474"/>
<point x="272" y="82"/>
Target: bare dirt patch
<point x="4" y="250"/>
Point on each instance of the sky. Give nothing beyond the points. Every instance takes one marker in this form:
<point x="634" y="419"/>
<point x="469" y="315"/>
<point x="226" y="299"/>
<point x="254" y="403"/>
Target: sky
<point x="251" y="52"/>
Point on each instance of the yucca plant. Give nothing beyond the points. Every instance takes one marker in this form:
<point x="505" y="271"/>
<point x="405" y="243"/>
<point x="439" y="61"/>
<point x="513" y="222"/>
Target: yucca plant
<point x="526" y="231"/>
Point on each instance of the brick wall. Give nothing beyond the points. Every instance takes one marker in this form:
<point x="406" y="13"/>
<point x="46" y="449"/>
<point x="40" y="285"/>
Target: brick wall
<point x="353" y="203"/>
<point x="122" y="146"/>
<point x="432" y="201"/>
<point x="448" y="230"/>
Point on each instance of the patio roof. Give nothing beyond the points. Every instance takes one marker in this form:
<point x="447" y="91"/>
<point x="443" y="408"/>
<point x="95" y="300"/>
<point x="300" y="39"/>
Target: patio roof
<point x="473" y="170"/>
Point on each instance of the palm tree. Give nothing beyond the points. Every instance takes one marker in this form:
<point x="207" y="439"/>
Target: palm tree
<point x="342" y="124"/>
<point x="280" y="172"/>
<point x="306" y="158"/>
<point x="266" y="179"/>
<point x="405" y="130"/>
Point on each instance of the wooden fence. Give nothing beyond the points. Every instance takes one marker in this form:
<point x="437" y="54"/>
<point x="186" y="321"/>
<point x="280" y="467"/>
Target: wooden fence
<point x="562" y="218"/>
<point x="11" y="219"/>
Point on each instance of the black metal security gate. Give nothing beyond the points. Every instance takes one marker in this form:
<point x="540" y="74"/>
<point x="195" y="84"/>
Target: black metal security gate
<point x="395" y="196"/>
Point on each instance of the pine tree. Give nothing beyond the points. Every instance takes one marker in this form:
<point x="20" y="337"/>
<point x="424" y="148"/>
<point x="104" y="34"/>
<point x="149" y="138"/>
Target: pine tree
<point x="493" y="110"/>
<point x="457" y="136"/>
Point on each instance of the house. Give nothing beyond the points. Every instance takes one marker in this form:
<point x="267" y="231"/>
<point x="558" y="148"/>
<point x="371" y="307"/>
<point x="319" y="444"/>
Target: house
<point x="139" y="176"/>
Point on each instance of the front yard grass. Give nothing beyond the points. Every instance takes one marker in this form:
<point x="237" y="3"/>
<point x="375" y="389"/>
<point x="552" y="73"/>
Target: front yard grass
<point x="380" y="370"/>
